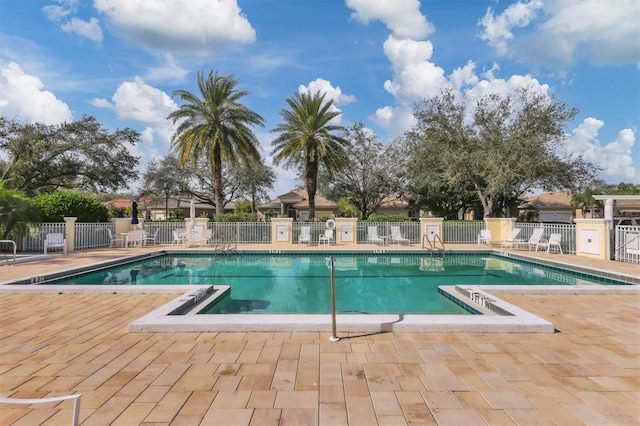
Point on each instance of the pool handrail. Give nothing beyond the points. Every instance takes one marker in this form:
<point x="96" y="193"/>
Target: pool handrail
<point x="15" y="248"/>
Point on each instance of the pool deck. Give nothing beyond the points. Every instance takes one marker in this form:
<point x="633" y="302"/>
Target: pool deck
<point x="587" y="372"/>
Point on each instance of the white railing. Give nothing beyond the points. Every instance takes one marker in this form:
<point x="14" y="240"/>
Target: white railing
<point x="466" y="232"/>
<point x="94" y="235"/>
<point x="33" y="241"/>
<point x="627" y="247"/>
<point x="410" y="230"/>
<point x="568" y="232"/>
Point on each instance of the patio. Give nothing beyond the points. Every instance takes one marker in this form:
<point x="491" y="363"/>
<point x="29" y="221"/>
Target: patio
<point x="588" y="372"/>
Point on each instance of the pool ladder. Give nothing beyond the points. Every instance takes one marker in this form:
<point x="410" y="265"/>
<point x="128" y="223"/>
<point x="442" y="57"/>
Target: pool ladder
<point x="225" y="247"/>
<point x="14" y="249"/>
<point x="433" y="247"/>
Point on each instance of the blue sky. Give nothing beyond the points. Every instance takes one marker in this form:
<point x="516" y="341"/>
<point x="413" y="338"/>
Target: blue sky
<point x="120" y="60"/>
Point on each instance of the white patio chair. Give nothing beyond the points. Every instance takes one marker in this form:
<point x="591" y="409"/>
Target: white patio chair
<point x="134" y="239"/>
<point x="535" y="238"/>
<point x="553" y="241"/>
<point x="55" y="240"/>
<point x="326" y="237"/>
<point x="373" y="237"/>
<point x="305" y="235"/>
<point x="512" y="240"/>
<point x="76" y="403"/>
<point x="179" y="236"/>
<point x="153" y="238"/>
<point x="396" y="236"/>
<point x="113" y="240"/>
<point x="484" y="237"/>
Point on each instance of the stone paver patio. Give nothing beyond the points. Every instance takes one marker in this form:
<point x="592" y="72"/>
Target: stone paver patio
<point x="588" y="372"/>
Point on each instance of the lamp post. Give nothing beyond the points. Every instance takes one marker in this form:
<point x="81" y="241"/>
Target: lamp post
<point x="166" y="201"/>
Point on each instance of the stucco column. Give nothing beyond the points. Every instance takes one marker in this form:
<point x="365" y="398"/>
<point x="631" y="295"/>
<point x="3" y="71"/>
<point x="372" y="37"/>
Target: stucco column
<point x="592" y="238"/>
<point x="430" y="227"/>
<point x="609" y="205"/>
<point x="500" y="227"/>
<point x="346" y="230"/>
<point x="70" y="232"/>
<point x="281" y="230"/>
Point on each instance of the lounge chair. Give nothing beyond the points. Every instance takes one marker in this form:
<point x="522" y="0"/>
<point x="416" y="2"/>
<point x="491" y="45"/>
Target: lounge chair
<point x="396" y="236"/>
<point x="179" y="236"/>
<point x="153" y="238"/>
<point x="113" y="240"/>
<point x="535" y="238"/>
<point x="484" y="237"/>
<point x="553" y="241"/>
<point x="55" y="240"/>
<point x="197" y="236"/>
<point x="326" y="237"/>
<point x="512" y="240"/>
<point x="305" y="235"/>
<point x="373" y="237"/>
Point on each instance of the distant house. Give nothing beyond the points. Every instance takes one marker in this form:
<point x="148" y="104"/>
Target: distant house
<point x="552" y="207"/>
<point x="156" y="210"/>
<point x="295" y="204"/>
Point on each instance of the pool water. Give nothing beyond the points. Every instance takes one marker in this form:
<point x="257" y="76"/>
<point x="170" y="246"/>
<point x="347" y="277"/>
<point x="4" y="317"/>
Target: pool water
<point x="300" y="283"/>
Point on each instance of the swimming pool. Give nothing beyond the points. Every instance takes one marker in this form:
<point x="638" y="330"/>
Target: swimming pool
<point x="365" y="283"/>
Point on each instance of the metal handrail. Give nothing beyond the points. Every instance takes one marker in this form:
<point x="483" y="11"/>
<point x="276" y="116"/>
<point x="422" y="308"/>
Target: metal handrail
<point x="432" y="247"/>
<point x="334" y="336"/>
<point x="15" y="248"/>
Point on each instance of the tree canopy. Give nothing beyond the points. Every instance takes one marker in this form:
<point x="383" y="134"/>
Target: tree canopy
<point x="501" y="145"/>
<point x="76" y="155"/>
<point x="376" y="173"/>
<point x="214" y="124"/>
<point x="249" y="180"/>
<point x="307" y="140"/>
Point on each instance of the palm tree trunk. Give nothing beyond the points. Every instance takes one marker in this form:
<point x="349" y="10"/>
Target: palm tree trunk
<point x="311" y="181"/>
<point x="217" y="180"/>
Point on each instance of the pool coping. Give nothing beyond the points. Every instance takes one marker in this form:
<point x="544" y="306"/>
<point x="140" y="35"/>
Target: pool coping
<point x="511" y="319"/>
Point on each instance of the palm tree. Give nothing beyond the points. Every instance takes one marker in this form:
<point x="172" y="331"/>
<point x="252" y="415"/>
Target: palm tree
<point x="306" y="140"/>
<point x="216" y="126"/>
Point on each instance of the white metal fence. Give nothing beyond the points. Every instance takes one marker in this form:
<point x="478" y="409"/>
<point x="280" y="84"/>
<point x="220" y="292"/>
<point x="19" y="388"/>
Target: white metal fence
<point x="94" y="235"/>
<point x="627" y="244"/>
<point x="568" y="232"/>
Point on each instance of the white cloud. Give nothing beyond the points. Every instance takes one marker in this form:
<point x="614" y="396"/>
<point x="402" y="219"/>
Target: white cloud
<point x="90" y="29"/>
<point x="169" y="71"/>
<point x="60" y="11"/>
<point x="137" y="101"/>
<point x="615" y="158"/>
<point x="497" y="30"/>
<point x="402" y="17"/>
<point x="414" y="76"/>
<point x="179" y="26"/>
<point x="563" y="32"/>
<point x="331" y="93"/>
<point x="23" y="96"/>
<point x="394" y="120"/>
<point x="324" y="86"/>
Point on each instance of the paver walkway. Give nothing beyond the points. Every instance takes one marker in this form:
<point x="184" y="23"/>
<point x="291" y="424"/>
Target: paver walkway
<point x="588" y="372"/>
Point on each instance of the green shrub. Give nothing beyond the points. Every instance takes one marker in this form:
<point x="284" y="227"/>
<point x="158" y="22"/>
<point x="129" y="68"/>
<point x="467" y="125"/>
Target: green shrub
<point x="389" y="218"/>
<point x="236" y="217"/>
<point x="55" y="206"/>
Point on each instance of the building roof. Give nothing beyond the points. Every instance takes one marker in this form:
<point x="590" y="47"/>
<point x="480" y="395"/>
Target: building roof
<point x="548" y="200"/>
<point x="299" y="200"/>
<point x="119" y="202"/>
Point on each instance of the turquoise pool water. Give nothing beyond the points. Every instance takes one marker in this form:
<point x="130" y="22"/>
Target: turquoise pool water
<point x="300" y="283"/>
